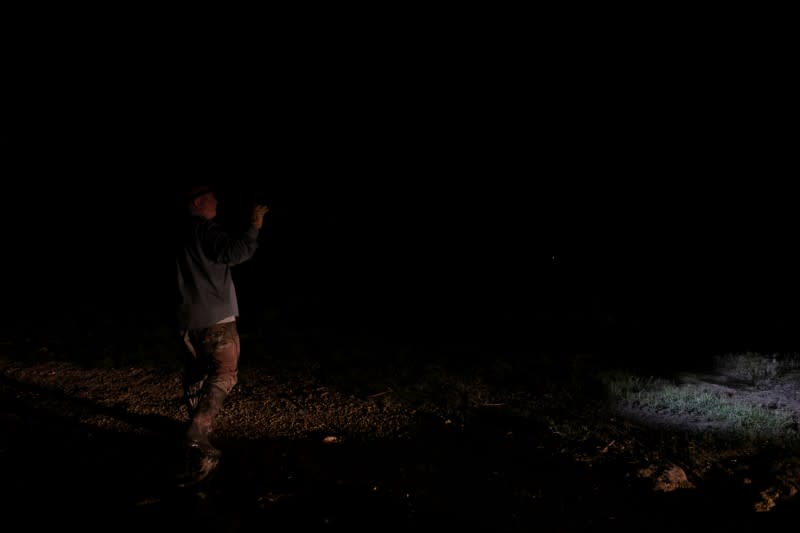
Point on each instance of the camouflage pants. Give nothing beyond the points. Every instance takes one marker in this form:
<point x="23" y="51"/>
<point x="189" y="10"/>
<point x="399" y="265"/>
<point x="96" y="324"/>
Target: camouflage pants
<point x="211" y="371"/>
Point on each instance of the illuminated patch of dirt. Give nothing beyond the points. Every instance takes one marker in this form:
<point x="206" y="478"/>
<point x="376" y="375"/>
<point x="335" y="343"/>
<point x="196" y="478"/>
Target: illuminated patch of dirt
<point x="772" y="467"/>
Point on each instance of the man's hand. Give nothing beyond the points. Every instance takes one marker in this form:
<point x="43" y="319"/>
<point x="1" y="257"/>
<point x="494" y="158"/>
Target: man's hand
<point x="258" y="215"/>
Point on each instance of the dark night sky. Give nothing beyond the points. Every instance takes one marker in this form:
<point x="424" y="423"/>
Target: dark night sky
<point x="448" y="190"/>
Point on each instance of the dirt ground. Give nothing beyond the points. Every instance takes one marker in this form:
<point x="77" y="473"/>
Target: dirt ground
<point x="95" y="448"/>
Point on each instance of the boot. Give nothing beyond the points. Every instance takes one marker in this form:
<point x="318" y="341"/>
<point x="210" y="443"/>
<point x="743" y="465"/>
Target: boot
<point x="202" y="424"/>
<point x="201" y="456"/>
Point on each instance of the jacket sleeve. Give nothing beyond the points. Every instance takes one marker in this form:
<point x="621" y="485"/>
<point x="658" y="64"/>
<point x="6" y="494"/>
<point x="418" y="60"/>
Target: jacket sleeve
<point x="227" y="248"/>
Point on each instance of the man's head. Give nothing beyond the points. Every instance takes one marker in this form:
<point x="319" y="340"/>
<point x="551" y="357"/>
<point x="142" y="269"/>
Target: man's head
<point x="201" y="200"/>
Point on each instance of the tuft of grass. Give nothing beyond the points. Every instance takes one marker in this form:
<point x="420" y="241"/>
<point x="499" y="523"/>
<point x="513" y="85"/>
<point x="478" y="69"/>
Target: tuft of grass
<point x="755" y="368"/>
<point x="720" y="411"/>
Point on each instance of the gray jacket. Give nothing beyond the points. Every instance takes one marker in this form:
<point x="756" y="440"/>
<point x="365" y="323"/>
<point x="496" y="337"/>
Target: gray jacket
<point x="205" y="254"/>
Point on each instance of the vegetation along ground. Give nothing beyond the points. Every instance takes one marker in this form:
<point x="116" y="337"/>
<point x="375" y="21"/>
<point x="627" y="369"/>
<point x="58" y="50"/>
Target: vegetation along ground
<point x="333" y="433"/>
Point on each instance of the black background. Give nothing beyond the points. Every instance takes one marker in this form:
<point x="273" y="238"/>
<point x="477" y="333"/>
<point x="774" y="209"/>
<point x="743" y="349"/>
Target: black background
<point x="459" y="185"/>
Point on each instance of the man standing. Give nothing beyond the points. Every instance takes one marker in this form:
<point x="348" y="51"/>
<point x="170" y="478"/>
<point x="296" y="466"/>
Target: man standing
<point x="207" y="313"/>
